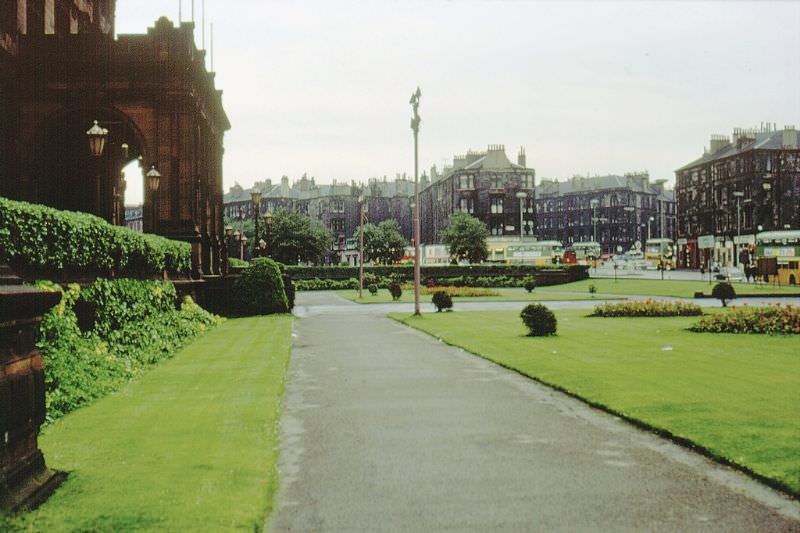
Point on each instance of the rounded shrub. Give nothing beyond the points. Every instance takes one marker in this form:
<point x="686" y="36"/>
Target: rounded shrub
<point x="260" y="290"/>
<point x="723" y="292"/>
<point x="539" y="319"/>
<point x="529" y="283"/>
<point x="442" y="300"/>
<point x="372" y="288"/>
<point x="395" y="290"/>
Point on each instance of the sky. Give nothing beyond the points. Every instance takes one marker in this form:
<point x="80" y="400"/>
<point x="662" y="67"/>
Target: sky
<point x="593" y="88"/>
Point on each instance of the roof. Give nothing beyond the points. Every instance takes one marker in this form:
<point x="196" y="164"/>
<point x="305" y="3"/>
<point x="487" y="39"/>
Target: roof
<point x="756" y="140"/>
<point x="635" y="182"/>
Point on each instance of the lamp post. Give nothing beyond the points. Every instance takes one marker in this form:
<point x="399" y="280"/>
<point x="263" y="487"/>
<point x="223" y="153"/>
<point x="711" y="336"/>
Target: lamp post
<point x="630" y="209"/>
<point x="360" y="245"/>
<point x="267" y="227"/>
<point x="97" y="141"/>
<point x="153" y="179"/>
<point x="255" y="196"/>
<point x="415" y="120"/>
<point x="649" y="221"/>
<point x="243" y="246"/>
<point x="521" y="196"/>
<point x="593" y="204"/>
<point x="738" y="195"/>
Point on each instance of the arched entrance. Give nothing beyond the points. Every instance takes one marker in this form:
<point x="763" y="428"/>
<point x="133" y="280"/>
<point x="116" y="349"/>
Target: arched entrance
<point x="66" y="175"/>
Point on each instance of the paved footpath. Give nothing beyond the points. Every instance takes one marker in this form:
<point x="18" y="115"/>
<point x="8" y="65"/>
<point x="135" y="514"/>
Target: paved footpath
<point x="385" y="429"/>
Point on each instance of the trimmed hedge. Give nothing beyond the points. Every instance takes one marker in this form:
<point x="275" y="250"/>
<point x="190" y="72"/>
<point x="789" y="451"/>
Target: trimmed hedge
<point x="539" y="320"/>
<point x="543" y="275"/>
<point x="40" y="239"/>
<point x="132" y="324"/>
<point x="260" y="289"/>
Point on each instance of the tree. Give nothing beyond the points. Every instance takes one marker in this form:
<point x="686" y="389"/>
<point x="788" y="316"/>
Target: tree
<point x="383" y="243"/>
<point x="466" y="236"/>
<point x="293" y="237"/>
<point x="723" y="292"/>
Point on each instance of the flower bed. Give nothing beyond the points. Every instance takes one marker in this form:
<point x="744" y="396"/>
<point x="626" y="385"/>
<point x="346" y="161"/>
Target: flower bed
<point x="647" y="308"/>
<point x="773" y="320"/>
<point x="464" y="292"/>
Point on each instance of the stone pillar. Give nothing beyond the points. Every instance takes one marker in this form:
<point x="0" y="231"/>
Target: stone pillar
<point x="25" y="480"/>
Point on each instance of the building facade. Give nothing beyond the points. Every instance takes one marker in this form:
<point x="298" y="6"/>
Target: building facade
<point x="741" y="185"/>
<point x="335" y="205"/>
<point x="615" y="211"/>
<point x="485" y="185"/>
<point x="61" y="69"/>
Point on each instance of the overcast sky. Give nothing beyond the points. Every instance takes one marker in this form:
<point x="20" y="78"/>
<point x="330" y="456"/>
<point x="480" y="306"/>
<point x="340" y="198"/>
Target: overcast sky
<point x="586" y="88"/>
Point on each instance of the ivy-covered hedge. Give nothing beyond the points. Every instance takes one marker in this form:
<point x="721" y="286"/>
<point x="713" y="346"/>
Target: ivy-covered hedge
<point x="41" y="239"/>
<point x="260" y="289"/>
<point x="126" y="326"/>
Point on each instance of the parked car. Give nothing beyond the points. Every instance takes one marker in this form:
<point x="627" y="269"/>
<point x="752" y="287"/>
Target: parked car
<point x="729" y="274"/>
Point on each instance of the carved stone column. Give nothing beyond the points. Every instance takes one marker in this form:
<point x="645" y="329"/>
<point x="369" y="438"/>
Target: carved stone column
<point x="25" y="480"/>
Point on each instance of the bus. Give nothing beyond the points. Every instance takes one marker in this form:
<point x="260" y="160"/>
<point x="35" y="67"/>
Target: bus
<point x="658" y="250"/>
<point x="539" y="253"/>
<point x="778" y="255"/>
<point x="587" y="253"/>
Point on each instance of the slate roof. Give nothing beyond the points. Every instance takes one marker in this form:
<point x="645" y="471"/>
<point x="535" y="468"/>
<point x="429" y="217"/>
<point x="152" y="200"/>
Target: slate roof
<point x="767" y="140"/>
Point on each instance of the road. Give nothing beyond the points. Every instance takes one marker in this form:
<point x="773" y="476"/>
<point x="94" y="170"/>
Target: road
<point x="385" y="429"/>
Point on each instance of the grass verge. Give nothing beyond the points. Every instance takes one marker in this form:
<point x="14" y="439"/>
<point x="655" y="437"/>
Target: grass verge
<point x="657" y="287"/>
<point x="735" y="397"/>
<point x="191" y="446"/>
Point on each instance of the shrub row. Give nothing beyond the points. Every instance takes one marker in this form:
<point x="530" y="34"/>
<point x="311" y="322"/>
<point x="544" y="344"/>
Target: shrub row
<point x="317" y="284"/>
<point x="776" y="319"/>
<point x="128" y="325"/>
<point x="647" y="308"/>
<point x="406" y="272"/>
<point x="40" y="239"/>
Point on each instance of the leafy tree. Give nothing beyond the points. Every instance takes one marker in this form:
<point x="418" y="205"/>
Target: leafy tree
<point x="383" y="243"/>
<point x="466" y="236"/>
<point x="723" y="292"/>
<point x="294" y="237"/>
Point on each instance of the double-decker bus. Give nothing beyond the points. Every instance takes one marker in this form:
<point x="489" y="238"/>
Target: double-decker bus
<point x="587" y="253"/>
<point x="658" y="250"/>
<point x="782" y="250"/>
<point x="539" y="253"/>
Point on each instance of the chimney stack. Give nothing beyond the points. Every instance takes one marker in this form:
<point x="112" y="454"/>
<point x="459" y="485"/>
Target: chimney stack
<point x="285" y="187"/>
<point x="718" y="142"/>
<point x="521" y="159"/>
<point x="789" y="137"/>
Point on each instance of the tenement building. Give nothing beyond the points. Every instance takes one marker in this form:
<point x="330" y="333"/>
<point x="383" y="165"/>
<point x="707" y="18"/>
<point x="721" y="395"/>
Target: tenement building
<point x="485" y="185"/>
<point x="149" y="97"/>
<point x="741" y="185"/>
<point x="615" y="211"/>
<point x="335" y="205"/>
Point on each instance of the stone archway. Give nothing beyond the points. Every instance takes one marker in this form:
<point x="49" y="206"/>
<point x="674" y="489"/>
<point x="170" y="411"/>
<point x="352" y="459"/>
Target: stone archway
<point x="67" y="176"/>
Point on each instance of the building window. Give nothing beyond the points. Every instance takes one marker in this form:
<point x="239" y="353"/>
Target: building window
<point x="496" y="205"/>
<point x="465" y="205"/>
<point x="496" y="181"/>
<point x="496" y="228"/>
<point x="527" y="181"/>
<point x="466" y="182"/>
<point x="337" y="206"/>
<point x="337" y="226"/>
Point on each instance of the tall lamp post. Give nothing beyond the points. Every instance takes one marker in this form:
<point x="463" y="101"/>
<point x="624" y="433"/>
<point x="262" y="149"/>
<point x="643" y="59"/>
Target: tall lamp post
<point x="521" y="196"/>
<point x="267" y="227"/>
<point x="153" y="179"/>
<point x="738" y="195"/>
<point x="415" y="120"/>
<point x="255" y="196"/>
<point x="630" y="209"/>
<point x="650" y="220"/>
<point x="360" y="245"/>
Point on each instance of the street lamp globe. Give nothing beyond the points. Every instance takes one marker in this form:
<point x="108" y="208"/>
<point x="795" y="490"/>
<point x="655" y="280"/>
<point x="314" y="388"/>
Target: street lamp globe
<point x="522" y="195"/>
<point x="256" y="197"/>
<point x="267" y="218"/>
<point x="97" y="139"/>
<point x="228" y="230"/>
<point x="262" y="244"/>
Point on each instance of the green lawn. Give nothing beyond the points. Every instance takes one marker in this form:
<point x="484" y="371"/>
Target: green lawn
<point x="192" y="446"/>
<point x="657" y="287"/>
<point x="738" y="396"/>
<point x="506" y="295"/>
